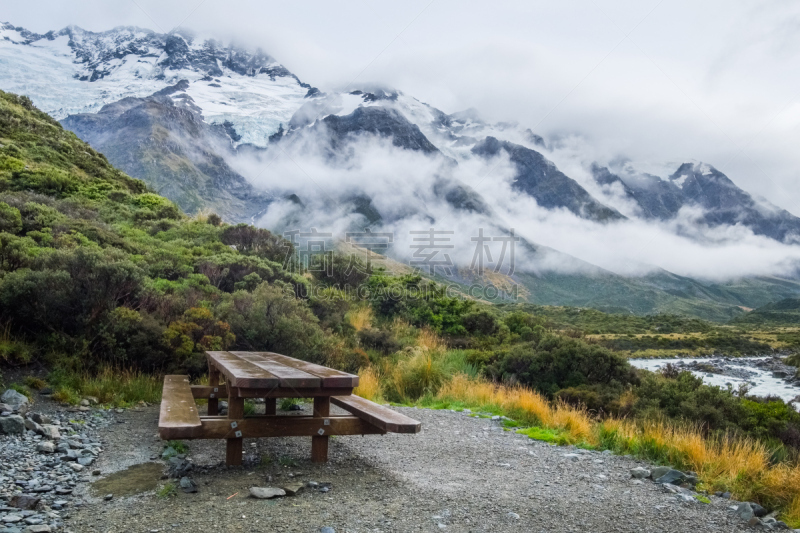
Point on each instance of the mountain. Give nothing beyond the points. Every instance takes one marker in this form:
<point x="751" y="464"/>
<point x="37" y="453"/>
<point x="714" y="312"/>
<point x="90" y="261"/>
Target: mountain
<point x="166" y="142"/>
<point x="74" y="71"/>
<point x="539" y="178"/>
<point x="699" y="185"/>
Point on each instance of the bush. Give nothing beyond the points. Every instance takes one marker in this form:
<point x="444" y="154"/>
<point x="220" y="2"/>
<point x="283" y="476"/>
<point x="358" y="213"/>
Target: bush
<point x="554" y="363"/>
<point x="480" y="323"/>
<point x="379" y="339"/>
<point x="272" y="319"/>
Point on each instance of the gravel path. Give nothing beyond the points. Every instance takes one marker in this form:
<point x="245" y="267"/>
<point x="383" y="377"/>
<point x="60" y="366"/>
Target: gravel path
<point x="459" y="474"/>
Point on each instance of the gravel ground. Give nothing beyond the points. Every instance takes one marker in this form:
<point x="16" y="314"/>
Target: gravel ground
<point x="459" y="474"/>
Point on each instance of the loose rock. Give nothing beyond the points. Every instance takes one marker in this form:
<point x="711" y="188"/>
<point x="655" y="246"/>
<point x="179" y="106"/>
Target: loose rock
<point x="266" y="493"/>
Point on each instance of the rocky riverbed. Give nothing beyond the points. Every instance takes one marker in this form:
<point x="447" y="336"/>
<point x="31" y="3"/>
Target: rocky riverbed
<point x="763" y="376"/>
<point x="46" y="454"/>
<point x="461" y="473"/>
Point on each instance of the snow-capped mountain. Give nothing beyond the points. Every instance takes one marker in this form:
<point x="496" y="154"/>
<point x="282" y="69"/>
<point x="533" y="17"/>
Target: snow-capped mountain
<point x="76" y="71"/>
<point x="717" y="200"/>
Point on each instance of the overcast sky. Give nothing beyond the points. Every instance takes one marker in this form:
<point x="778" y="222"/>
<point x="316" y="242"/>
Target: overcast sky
<point x="655" y="81"/>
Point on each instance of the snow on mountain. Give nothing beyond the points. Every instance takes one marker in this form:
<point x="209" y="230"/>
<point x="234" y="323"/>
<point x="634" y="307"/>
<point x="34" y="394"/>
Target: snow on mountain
<point x="75" y="71"/>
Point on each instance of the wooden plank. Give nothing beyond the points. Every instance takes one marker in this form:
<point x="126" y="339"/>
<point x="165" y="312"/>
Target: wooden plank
<point x="378" y="415"/>
<point x="241" y="373"/>
<point x="277" y="426"/>
<point x="233" y="448"/>
<point x="291" y="393"/>
<point x="289" y="376"/>
<point x="205" y="391"/>
<point x="213" y="397"/>
<point x="330" y="378"/>
<point x="178" y="410"/>
<point x="319" y="443"/>
<point x="270" y="406"/>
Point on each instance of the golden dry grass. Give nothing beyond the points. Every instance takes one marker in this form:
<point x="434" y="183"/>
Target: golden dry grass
<point x="360" y="318"/>
<point x="522" y="404"/>
<point x="369" y="385"/>
<point x="429" y="341"/>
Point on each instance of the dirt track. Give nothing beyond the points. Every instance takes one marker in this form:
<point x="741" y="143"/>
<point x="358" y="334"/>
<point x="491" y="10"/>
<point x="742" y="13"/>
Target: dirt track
<point x="459" y="474"/>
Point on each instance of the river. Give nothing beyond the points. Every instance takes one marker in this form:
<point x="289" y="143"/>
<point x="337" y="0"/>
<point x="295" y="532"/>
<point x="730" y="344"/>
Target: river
<point x="765" y="375"/>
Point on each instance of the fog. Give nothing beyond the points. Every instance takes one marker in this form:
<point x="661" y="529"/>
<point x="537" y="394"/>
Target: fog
<point x="405" y="187"/>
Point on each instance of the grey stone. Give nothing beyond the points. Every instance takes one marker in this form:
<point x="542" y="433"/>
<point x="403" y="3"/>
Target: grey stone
<point x="45" y="447"/>
<point x="292" y="489"/>
<point x="51" y="432"/>
<point x="572" y="456"/>
<point x="169" y="452"/>
<point x="640" y="473"/>
<point x="41" y="528"/>
<point x="327" y="529"/>
<point x="265" y="493"/>
<point x="85" y="460"/>
<point x="108" y="497"/>
<point x="674" y="477"/>
<point x="312" y="484"/>
<point x="758" y="510"/>
<point x="745" y="511"/>
<point x="187" y="485"/>
<point x="14" y="399"/>
<point x="12" y="425"/>
<point x="659" y="471"/>
<point x="85" y="403"/>
<point x="30" y="425"/>
<point x="76" y="467"/>
<point x="71" y="455"/>
<point x="40" y="418"/>
<point x="25" y="502"/>
<point x="11" y="518"/>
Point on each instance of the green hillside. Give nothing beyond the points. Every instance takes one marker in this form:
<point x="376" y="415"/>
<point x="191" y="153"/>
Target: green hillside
<point x="96" y="269"/>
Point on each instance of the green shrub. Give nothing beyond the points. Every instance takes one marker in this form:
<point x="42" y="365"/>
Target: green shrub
<point x="554" y="363"/>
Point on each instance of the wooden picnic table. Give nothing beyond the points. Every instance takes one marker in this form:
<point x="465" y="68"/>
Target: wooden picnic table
<point x="271" y="376"/>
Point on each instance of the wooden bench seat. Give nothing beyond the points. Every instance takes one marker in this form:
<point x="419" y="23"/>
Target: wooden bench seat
<point x="377" y="415"/>
<point x="178" y="409"/>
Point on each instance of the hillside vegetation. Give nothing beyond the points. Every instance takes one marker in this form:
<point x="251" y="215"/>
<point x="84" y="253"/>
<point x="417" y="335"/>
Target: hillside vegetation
<point x="110" y="285"/>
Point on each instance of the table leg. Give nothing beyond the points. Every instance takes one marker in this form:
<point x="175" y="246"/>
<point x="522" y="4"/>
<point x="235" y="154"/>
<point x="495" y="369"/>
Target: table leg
<point x="233" y="448"/>
<point x="213" y="380"/>
<point x="270" y="406"/>
<point x="319" y="444"/>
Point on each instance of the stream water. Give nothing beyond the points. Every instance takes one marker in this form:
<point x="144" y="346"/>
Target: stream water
<point x="765" y="375"/>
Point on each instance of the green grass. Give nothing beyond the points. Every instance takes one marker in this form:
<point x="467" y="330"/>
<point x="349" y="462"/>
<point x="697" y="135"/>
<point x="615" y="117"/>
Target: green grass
<point x="287" y="403"/>
<point x="701" y="498"/>
<point x="554" y="436"/>
<point x="118" y="388"/>
<point x="287" y="461"/>
<point x="249" y="408"/>
<point x="169" y="490"/>
<point x="22" y="389"/>
<point x="178" y="445"/>
<point x="35" y="383"/>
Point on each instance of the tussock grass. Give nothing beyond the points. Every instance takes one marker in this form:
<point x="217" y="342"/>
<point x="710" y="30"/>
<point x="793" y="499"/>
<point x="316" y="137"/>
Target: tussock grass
<point x="361" y="318"/>
<point x="110" y="386"/>
<point x="369" y="385"/>
<point x="429" y="341"/>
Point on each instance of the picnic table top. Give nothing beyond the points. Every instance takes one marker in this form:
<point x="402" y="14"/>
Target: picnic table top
<point x="267" y="370"/>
